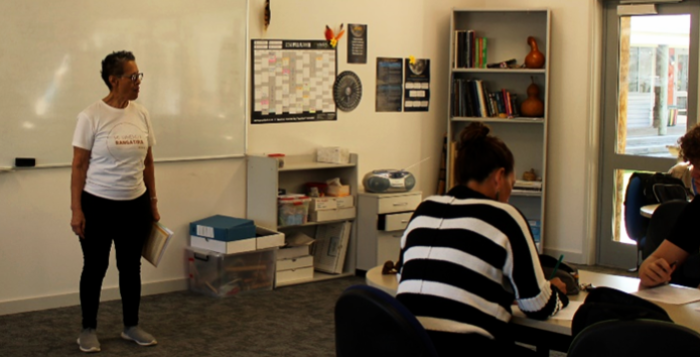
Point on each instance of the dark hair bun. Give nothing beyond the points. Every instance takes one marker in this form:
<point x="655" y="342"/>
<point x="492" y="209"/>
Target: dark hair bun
<point x="474" y="132"/>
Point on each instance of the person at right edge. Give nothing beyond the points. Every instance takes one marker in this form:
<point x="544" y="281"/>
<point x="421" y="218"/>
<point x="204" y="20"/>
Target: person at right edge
<point x="683" y="239"/>
<point x="113" y="195"/>
<point x="461" y="250"/>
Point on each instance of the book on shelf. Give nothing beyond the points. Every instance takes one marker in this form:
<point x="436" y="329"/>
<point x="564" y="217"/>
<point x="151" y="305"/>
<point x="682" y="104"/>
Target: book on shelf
<point x="156" y="243"/>
<point x="468" y="50"/>
<point x="471" y="98"/>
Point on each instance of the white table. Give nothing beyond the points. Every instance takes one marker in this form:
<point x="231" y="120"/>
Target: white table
<point x="648" y="210"/>
<point x="555" y="333"/>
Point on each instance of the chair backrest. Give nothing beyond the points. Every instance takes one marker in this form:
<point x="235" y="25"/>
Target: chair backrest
<point x="635" y="223"/>
<point x="661" y="224"/>
<point x="639" y="338"/>
<point x="369" y="321"/>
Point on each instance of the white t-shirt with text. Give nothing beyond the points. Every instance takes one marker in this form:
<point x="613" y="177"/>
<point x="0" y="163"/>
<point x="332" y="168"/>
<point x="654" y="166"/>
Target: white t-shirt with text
<point x="118" y="141"/>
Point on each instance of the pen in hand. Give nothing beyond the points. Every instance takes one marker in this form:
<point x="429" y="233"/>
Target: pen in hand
<point x="556" y="267"/>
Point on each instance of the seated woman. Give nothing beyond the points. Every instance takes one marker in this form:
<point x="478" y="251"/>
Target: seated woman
<point x="466" y="256"/>
<point x="683" y="240"/>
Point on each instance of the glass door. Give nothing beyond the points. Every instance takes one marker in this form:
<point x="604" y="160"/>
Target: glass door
<point x="650" y="76"/>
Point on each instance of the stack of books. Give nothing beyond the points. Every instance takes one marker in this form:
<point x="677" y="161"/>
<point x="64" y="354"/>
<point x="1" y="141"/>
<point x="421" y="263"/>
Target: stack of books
<point x="469" y="51"/>
<point x="471" y="98"/>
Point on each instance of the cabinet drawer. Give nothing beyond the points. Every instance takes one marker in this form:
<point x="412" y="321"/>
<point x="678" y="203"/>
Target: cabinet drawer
<point x="394" y="222"/>
<point x="399" y="203"/>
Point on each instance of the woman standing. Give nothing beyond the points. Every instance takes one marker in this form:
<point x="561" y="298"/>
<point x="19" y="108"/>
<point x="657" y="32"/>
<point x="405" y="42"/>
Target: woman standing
<point x="113" y="195"/>
<point x="466" y="256"/>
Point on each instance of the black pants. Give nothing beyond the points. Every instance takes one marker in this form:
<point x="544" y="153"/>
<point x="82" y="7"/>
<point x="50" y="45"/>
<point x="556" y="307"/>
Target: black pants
<point x="128" y="224"/>
<point x="472" y="344"/>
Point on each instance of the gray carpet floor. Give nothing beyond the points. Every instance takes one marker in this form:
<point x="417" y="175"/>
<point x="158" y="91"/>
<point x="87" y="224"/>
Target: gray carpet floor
<point x="291" y="321"/>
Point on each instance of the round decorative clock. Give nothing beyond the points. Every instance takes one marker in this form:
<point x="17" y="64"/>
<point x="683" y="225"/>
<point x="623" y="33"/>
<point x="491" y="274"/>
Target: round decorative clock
<point x="347" y="91"/>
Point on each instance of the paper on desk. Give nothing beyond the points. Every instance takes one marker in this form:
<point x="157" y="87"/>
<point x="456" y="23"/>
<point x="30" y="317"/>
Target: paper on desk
<point x="670" y="294"/>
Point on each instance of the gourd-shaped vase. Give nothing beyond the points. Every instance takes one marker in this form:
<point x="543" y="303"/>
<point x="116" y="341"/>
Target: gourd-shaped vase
<point x="532" y="106"/>
<point x="534" y="59"/>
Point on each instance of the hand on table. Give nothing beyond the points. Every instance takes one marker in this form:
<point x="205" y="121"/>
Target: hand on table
<point x="655" y="272"/>
<point x="559" y="284"/>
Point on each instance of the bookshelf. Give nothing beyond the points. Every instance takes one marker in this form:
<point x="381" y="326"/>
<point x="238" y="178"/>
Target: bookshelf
<point x="506" y="32"/>
<point x="265" y="177"/>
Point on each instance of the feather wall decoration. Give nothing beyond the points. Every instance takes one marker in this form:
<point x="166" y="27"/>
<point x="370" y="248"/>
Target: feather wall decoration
<point x="331" y="35"/>
<point x="268" y="14"/>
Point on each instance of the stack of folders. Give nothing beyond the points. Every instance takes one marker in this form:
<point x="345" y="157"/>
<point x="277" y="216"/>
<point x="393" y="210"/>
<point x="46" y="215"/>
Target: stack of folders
<point x="156" y="243"/>
<point x="295" y="264"/>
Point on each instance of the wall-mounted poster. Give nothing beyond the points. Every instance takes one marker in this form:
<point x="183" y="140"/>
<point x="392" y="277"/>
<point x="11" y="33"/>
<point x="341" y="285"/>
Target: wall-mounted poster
<point x="389" y="84"/>
<point x="357" y="43"/>
<point x="417" y="86"/>
<point x="292" y="81"/>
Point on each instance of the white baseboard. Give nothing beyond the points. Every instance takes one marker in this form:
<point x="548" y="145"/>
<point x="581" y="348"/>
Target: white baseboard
<point x="569" y="255"/>
<point x="72" y="299"/>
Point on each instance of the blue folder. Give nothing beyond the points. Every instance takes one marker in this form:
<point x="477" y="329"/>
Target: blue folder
<point x="223" y="228"/>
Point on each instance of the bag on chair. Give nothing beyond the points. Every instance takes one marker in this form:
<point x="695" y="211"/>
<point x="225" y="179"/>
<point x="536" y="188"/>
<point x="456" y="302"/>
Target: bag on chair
<point x="603" y="304"/>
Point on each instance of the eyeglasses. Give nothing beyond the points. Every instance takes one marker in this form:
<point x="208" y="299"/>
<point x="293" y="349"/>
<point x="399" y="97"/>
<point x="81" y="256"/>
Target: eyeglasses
<point x="134" y="77"/>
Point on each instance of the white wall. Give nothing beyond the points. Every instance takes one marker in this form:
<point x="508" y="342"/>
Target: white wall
<point x="392" y="140"/>
<point x="40" y="259"/>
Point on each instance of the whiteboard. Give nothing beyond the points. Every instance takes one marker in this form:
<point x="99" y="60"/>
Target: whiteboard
<point x="192" y="53"/>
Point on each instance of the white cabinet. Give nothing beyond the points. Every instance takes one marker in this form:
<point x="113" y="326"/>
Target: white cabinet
<point x="382" y="219"/>
<point x="506" y="32"/>
<point x="265" y="178"/>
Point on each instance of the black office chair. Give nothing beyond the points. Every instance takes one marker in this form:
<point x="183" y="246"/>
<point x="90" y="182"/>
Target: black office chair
<point x="370" y="322"/>
<point x="638" y="338"/>
<point x="635" y="223"/>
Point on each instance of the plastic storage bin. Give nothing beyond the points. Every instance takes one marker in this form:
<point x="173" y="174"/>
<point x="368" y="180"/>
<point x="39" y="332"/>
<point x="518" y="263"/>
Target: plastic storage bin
<point x="218" y="274"/>
<point x="292" y="210"/>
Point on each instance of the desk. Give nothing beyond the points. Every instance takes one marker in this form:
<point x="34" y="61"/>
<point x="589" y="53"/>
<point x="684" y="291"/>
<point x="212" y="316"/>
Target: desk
<point x="556" y="334"/>
<point x="648" y="210"/>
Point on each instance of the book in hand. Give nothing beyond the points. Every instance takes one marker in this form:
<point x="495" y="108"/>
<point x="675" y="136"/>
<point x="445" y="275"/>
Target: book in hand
<point x="155" y="245"/>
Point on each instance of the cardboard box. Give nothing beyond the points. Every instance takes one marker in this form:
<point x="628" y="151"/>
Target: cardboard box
<point x="332" y="215"/>
<point x="335" y="155"/>
<point x="345" y="202"/>
<point x="267" y="238"/>
<point x="323" y="203"/>
<point x="338" y="190"/>
<point x="295" y="263"/>
<point x="219" y="246"/>
<point x="293" y="252"/>
<point x="218" y="274"/>
<point x="331" y="246"/>
<point x="223" y="228"/>
<point x="285" y="277"/>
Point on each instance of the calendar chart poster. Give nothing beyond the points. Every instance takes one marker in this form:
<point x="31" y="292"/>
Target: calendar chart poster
<point x="417" y="86"/>
<point x="389" y="84"/>
<point x="292" y="81"/>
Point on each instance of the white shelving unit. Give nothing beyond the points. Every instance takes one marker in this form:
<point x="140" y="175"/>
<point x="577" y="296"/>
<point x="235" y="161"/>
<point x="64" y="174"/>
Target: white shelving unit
<point x="506" y="31"/>
<point x="265" y="177"/>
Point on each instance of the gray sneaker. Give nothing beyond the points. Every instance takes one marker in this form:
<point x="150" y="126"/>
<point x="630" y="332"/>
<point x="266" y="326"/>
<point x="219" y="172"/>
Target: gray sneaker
<point x="88" y="340"/>
<point x="138" y="335"/>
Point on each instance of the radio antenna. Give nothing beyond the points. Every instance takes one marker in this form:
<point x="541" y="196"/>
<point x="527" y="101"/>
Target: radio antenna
<point x="419" y="162"/>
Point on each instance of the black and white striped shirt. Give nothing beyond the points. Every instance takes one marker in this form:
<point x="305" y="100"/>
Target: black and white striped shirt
<point x="457" y="253"/>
